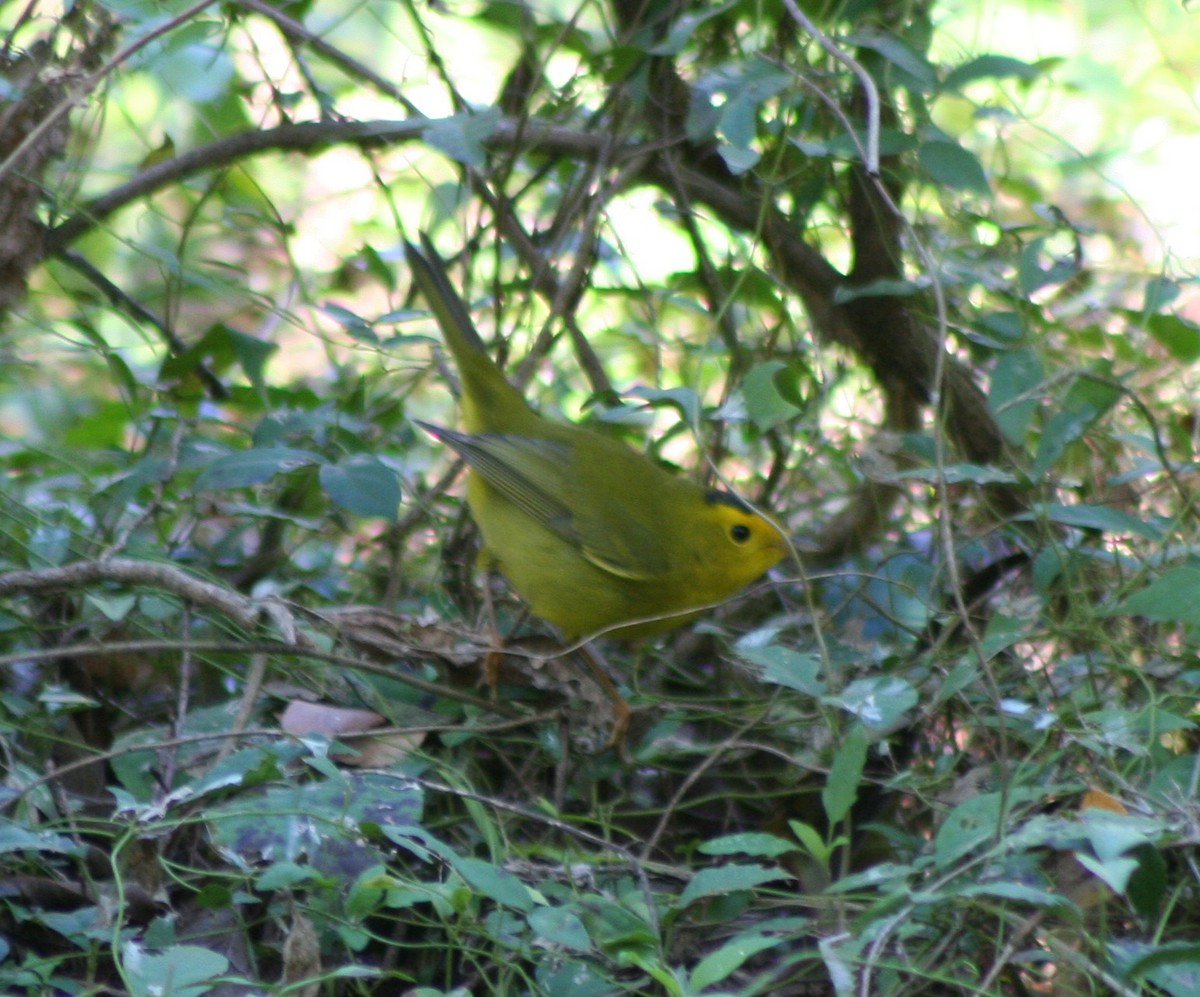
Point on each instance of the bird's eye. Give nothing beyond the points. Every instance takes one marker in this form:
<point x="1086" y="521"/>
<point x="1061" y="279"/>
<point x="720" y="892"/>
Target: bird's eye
<point x="739" y="533"/>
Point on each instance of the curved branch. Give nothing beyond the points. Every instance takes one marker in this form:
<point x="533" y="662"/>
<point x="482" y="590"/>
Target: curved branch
<point x="240" y="609"/>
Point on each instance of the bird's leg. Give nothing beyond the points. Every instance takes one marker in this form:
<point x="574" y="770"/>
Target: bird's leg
<point x="621" y="710"/>
<point x="494" y="659"/>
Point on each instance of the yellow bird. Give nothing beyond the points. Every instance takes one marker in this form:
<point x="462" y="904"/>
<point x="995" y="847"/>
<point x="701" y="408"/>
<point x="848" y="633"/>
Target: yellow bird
<point x="592" y="534"/>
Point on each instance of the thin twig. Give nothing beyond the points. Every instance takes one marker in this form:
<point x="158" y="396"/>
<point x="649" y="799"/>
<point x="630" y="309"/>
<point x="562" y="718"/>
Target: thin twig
<point x="871" y="155"/>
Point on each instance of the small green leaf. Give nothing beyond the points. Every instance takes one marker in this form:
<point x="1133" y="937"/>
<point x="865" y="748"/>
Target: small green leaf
<point x="684" y="400"/>
<point x="718" y="965"/>
<point x="356" y="325"/>
<point x="845" y="774"/>
<point x="882" y="287"/>
<point x="783" y="666"/>
<point x="966" y="827"/>
<point x="766" y="406"/>
<point x="493" y="882"/>
<point x="1061" y="429"/>
<point x="1038" y="268"/>
<point x="181" y="971"/>
<point x="1148" y="886"/>
<point x="252" y="354"/>
<point x="115" y="606"/>
<point x="949" y="164"/>
<point x="1020" y="892"/>
<point x="727" y="879"/>
<point x="462" y="136"/>
<point x="1178" y="336"/>
<point x="989" y="67"/>
<point x="756" y="843"/>
<point x="739" y="159"/>
<point x="363" y="485"/>
<point x="879" y="702"/>
<point x="1096" y="517"/>
<point x="252" y="467"/>
<point x="899" y="53"/>
<point x="16" y="838"/>
<point x="1013" y="398"/>
<point x="1002" y="632"/>
<point x="811" y="841"/>
<point x="685" y="25"/>
<point x="49" y="545"/>
<point x="1173" y="966"/>
<point x="1114" y="871"/>
<point x="1173" y="597"/>
<point x="562" y="927"/>
<point x="1160" y="292"/>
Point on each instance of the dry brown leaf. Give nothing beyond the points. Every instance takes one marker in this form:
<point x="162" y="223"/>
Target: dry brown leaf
<point x="301" y="719"/>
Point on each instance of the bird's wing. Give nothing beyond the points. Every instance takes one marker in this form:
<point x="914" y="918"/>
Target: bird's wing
<point x="541" y="478"/>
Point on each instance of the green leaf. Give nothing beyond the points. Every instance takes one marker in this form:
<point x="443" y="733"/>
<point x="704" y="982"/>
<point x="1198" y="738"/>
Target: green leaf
<point x="1114" y="871"/>
<point x="757" y="843"/>
<point x="252" y="354"/>
<point x="989" y="67"/>
<point x="811" y="841"/>
<point x="1178" y="336"/>
<point x="766" y="405"/>
<point x="462" y="136"/>
<point x="684" y="400"/>
<point x="958" y="678"/>
<point x="881" y="287"/>
<point x="1013" y="398"/>
<point x="783" y="666"/>
<point x="1002" y="632"/>
<point x="198" y="73"/>
<point x="718" y="965"/>
<point x="17" y="838"/>
<point x="950" y="165"/>
<point x="355" y="324"/>
<point x="1020" y="892"/>
<point x="49" y="545"/>
<point x="953" y="474"/>
<point x="684" y="26"/>
<point x="1183" y="957"/>
<point x="181" y="971"/>
<point x="739" y="159"/>
<point x="252" y="467"/>
<point x="1094" y="393"/>
<point x="566" y="977"/>
<point x="493" y="882"/>
<point x="879" y="702"/>
<point x="1160" y="292"/>
<point x="115" y="606"/>
<point x="1095" y="517"/>
<point x="1086" y="401"/>
<point x="845" y="774"/>
<point x="727" y="879"/>
<point x="363" y="485"/>
<point x="615" y="928"/>
<point x="1148" y="886"/>
<point x="899" y="53"/>
<point x="562" y="927"/>
<point x="1114" y="834"/>
<point x="1037" y="268"/>
<point x="966" y="827"/>
<point x="1172" y="597"/>
<point x="320" y="820"/>
<point x="222" y="346"/>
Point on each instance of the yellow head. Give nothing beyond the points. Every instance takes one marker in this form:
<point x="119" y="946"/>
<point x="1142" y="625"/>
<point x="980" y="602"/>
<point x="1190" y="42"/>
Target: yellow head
<point x="732" y="546"/>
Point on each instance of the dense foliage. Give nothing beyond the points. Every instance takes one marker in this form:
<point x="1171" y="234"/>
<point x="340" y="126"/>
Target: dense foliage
<point x="259" y="729"/>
